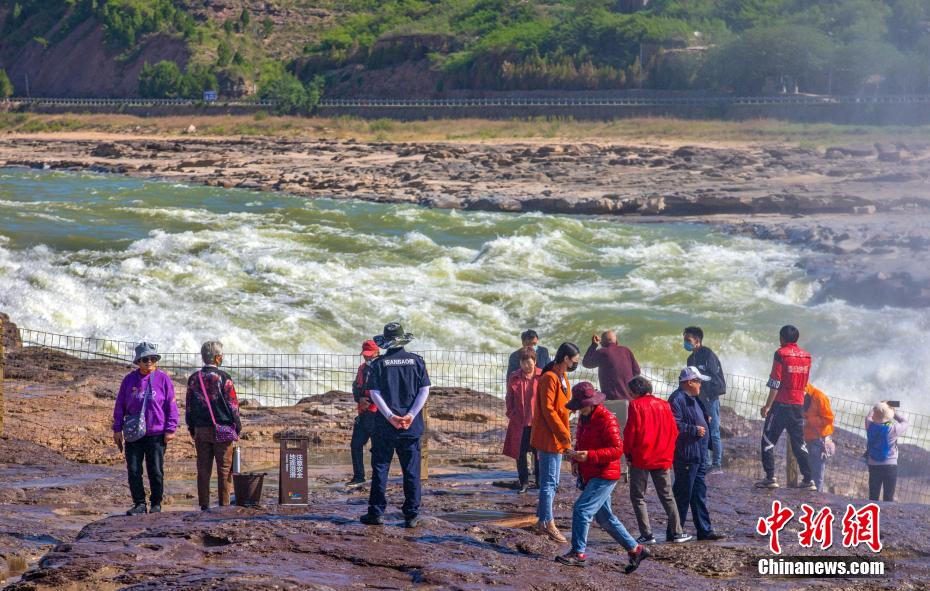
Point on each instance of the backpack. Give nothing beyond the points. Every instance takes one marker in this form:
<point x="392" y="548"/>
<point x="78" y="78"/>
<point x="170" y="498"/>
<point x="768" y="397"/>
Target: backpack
<point x="879" y="445"/>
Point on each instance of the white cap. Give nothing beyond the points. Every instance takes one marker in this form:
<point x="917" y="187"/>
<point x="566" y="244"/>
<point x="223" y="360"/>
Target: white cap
<point x="691" y="373"/>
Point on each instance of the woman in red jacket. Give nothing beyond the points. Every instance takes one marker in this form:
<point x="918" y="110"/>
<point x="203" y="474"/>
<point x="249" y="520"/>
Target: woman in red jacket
<point x="598" y="448"/>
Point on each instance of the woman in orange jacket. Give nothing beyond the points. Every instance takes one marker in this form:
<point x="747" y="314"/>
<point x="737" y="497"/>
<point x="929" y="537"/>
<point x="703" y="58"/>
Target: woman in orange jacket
<point x="551" y="435"/>
<point x="818" y="427"/>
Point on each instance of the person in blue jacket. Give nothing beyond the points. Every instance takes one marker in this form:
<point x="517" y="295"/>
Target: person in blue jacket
<point x="398" y="384"/>
<point x="690" y="462"/>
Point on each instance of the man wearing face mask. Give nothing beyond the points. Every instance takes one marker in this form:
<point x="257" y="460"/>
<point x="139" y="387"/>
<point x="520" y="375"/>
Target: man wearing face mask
<point x="529" y="339"/>
<point x="365" y="421"/>
<point x="707" y="362"/>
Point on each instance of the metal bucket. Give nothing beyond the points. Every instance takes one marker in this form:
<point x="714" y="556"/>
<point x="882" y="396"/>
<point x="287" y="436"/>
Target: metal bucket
<point x="248" y="489"/>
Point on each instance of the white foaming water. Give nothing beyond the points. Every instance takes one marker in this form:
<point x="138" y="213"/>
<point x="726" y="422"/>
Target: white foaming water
<point x="128" y="259"/>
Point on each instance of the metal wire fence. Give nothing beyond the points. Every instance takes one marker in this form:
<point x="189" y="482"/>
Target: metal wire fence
<point x="309" y="393"/>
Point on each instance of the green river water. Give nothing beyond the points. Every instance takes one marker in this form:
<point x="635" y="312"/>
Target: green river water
<point x="117" y="257"/>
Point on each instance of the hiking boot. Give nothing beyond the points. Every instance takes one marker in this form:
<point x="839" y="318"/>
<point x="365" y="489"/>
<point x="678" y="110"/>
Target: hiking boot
<point x="679" y="539"/>
<point x="647" y="540"/>
<point x="138" y="509"/>
<point x="155" y="509"/>
<point x="554" y="534"/>
<point x="356" y="481"/>
<point x="371" y="519"/>
<point x="412" y="522"/>
<point x="523" y="488"/>
<point x="767" y="483"/>
<point x="711" y="537"/>
<point x="715" y="470"/>
<point x="639" y="554"/>
<point x="807" y="485"/>
<point x="572" y="559"/>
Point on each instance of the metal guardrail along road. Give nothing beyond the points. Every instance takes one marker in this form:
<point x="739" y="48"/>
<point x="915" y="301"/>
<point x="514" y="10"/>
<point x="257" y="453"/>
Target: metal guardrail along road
<point x="585" y="102"/>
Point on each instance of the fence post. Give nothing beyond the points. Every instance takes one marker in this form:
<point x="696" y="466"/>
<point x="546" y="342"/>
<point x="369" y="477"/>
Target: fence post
<point x="791" y="465"/>
<point x="1" y="376"/>
<point x="424" y="444"/>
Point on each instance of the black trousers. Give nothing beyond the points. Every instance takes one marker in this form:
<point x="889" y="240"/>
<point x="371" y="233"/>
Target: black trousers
<point x="361" y="433"/>
<point x="523" y="468"/>
<point x="883" y="477"/>
<point x="384" y="443"/>
<point x="785" y="417"/>
<point x="151" y="449"/>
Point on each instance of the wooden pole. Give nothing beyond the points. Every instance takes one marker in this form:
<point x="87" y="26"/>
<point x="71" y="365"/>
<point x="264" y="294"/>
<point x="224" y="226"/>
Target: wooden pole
<point x="1" y="377"/>
<point x="424" y="444"/>
<point x="792" y="473"/>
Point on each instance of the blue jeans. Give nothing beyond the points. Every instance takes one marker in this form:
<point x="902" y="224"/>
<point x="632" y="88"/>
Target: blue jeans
<point x="715" y="457"/>
<point x="815" y="452"/>
<point x="594" y="502"/>
<point x="550" y="468"/>
<point x="691" y="492"/>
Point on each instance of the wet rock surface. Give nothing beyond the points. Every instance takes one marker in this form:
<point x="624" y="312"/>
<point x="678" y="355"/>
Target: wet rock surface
<point x="323" y="546"/>
<point x="749" y="188"/>
<point x="61" y="512"/>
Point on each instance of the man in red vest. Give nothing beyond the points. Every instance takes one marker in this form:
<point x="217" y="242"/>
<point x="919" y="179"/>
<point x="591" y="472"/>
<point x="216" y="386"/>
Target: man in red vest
<point x="784" y="409"/>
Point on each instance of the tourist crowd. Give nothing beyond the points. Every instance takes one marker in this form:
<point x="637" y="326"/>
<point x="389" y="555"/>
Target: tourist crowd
<point x="675" y="443"/>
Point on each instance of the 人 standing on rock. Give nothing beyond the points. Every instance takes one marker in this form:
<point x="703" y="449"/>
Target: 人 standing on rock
<point x="399" y="385"/>
<point x="596" y="461"/>
<point x="364" y="424"/>
<point x="818" y="428"/>
<point x="883" y="426"/>
<point x="703" y="358"/>
<point x="521" y="399"/>
<point x="213" y="421"/>
<point x="649" y="443"/>
<point x="616" y="366"/>
<point x="784" y="408"/>
<point x="551" y="435"/>
<point x="690" y="463"/>
<point x="145" y="418"/>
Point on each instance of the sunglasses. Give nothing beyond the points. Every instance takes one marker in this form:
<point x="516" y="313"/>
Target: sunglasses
<point x="148" y="360"/>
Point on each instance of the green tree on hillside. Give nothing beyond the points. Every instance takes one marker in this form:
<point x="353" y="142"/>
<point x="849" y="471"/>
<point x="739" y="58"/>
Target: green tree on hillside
<point x="224" y="53"/>
<point x="6" y="87"/>
<point x="763" y="55"/>
<point x="163" y="80"/>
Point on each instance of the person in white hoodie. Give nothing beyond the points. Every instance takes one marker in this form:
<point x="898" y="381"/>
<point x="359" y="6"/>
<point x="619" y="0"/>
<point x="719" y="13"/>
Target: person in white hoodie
<point x="883" y="426"/>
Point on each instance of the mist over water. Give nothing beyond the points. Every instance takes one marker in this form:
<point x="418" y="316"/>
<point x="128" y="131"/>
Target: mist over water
<point x="123" y="258"/>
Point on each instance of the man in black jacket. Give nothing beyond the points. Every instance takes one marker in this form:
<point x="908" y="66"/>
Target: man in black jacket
<point x="398" y="384"/>
<point x="707" y="362"/>
<point x="529" y="339"/>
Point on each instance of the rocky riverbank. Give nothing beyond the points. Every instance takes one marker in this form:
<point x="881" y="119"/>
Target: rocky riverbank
<point x="861" y="211"/>
<point x="63" y="490"/>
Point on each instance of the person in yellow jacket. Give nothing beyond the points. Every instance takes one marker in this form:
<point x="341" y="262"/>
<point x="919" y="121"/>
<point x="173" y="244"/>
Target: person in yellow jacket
<point x="818" y="427"/>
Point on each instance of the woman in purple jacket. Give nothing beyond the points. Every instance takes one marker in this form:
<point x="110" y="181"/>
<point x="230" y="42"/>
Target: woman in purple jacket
<point x="161" y="421"/>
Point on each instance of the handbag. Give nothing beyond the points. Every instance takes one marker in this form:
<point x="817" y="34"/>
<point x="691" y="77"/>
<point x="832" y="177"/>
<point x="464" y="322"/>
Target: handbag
<point x="224" y="433"/>
<point x="134" y="425"/>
